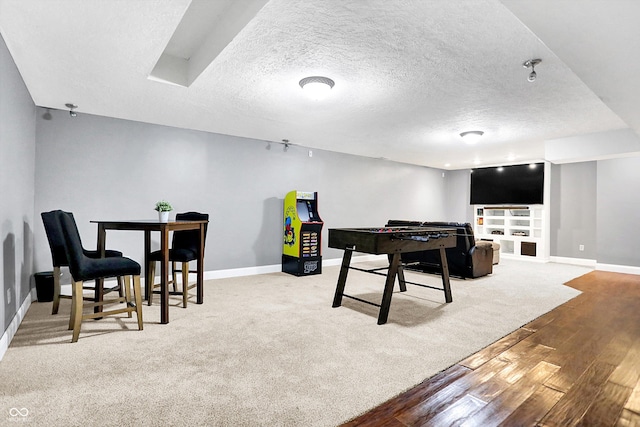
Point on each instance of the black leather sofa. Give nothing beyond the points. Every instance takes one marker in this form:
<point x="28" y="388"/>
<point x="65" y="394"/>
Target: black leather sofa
<point x="469" y="259"/>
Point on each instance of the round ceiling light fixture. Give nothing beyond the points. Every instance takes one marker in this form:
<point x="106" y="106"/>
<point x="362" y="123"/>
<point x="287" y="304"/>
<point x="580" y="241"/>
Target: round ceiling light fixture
<point x="317" y="87"/>
<point x="471" y="136"/>
<point x="531" y="63"/>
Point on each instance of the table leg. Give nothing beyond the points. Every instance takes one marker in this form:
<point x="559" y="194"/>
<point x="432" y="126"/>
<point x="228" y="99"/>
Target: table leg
<point x="164" y="289"/>
<point x="342" y="278"/>
<point x="403" y="285"/>
<point x="200" y="269"/>
<point x="147" y="251"/>
<point x="99" y="285"/>
<point x="445" y="275"/>
<point x="388" y="289"/>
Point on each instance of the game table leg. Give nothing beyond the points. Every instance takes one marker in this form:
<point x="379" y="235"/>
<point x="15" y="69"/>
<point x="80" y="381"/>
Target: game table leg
<point x="403" y="285"/>
<point x="342" y="279"/>
<point x="445" y="276"/>
<point x="388" y="289"/>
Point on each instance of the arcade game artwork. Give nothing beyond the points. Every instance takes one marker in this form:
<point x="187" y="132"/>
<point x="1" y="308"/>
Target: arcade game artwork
<point x="301" y="253"/>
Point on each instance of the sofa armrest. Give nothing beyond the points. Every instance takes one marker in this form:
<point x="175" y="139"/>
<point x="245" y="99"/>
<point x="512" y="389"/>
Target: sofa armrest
<point x="481" y="259"/>
<point x="483" y="243"/>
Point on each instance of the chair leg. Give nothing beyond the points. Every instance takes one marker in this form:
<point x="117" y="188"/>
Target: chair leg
<point x="175" y="275"/>
<point x="56" y="290"/>
<point x="150" y="279"/>
<point x="76" y="313"/>
<point x="72" y="315"/>
<point x="185" y="283"/>
<point x="121" y="292"/>
<point x="137" y="292"/>
<point x="125" y="285"/>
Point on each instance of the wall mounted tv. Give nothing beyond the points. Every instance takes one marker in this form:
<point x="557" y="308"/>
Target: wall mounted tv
<point x="511" y="185"/>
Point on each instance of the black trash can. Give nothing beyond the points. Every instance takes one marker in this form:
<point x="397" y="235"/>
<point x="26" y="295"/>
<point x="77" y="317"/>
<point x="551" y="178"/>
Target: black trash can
<point x="44" y="286"/>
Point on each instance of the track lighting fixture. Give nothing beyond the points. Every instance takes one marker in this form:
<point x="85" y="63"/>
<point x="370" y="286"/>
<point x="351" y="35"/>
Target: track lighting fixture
<point x="71" y="107"/>
<point x="531" y="63"/>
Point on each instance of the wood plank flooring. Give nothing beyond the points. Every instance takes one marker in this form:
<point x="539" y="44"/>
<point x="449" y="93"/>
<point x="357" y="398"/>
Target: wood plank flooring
<point x="578" y="365"/>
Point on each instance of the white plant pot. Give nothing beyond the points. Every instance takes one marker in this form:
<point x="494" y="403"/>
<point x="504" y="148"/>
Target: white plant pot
<point x="163" y="216"/>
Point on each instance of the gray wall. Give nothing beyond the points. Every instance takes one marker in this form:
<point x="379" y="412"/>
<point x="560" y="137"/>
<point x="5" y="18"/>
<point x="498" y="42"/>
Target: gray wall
<point x="17" y="155"/>
<point x="458" y="195"/>
<point x="104" y="168"/>
<point x="618" y="210"/>
<point x="573" y="210"/>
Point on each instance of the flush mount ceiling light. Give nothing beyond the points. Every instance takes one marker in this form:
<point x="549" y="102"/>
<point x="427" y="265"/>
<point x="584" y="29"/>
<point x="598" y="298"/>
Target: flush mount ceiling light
<point x="71" y="107"/>
<point x="316" y="87"/>
<point x="531" y="63"/>
<point x="472" y="136"/>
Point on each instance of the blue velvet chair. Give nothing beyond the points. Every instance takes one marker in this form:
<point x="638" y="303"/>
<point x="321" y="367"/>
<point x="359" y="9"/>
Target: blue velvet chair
<point x="84" y="268"/>
<point x="59" y="256"/>
<point x="184" y="248"/>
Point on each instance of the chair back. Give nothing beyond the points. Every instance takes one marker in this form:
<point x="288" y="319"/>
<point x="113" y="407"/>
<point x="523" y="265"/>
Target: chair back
<point x="188" y="239"/>
<point x="73" y="245"/>
<point x="53" y="229"/>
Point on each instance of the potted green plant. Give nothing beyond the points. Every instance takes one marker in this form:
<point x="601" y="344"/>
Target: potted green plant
<point x="163" y="207"/>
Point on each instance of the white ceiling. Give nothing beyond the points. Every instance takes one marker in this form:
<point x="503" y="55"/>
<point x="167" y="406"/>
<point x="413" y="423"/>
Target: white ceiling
<point x="410" y="75"/>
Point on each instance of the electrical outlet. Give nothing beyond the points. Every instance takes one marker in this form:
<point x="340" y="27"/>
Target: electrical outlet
<point x="581" y="247"/>
<point x="310" y="153"/>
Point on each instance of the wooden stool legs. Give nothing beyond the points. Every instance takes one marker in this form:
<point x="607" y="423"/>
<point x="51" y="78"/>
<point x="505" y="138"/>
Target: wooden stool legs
<point x="77" y="305"/>
<point x="185" y="281"/>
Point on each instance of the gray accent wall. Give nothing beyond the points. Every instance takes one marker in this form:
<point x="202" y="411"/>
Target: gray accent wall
<point x="113" y="169"/>
<point x="17" y="157"/>
<point x="573" y="210"/>
<point x="618" y="210"/>
<point x="458" y="195"/>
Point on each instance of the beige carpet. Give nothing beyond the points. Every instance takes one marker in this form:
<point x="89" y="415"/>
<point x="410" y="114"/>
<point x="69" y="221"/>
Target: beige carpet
<point x="265" y="350"/>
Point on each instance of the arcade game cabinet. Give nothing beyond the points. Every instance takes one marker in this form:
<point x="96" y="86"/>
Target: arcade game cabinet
<point x="302" y="230"/>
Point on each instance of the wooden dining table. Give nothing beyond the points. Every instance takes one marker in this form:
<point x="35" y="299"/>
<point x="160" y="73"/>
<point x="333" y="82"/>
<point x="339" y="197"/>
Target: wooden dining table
<point x="164" y="228"/>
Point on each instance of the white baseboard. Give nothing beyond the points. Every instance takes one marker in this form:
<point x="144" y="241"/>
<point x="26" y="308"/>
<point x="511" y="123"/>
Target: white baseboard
<point x="524" y="258"/>
<point x="15" y="323"/>
<point x="246" y="271"/>
<point x="575" y="261"/>
<point x="276" y="268"/>
<point x="627" y="269"/>
<point x="359" y="258"/>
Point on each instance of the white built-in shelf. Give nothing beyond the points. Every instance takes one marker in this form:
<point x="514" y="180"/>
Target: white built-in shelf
<point x="520" y="230"/>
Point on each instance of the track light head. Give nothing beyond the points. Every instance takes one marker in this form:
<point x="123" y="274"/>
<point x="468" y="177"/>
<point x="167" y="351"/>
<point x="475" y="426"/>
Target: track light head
<point x="71" y="107"/>
<point x="531" y="63"/>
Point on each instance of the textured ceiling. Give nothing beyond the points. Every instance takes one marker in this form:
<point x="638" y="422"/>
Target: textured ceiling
<point x="409" y="75"/>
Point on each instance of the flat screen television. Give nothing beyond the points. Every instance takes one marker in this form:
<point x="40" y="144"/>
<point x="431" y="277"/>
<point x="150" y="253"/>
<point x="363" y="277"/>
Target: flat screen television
<point x="510" y="185"/>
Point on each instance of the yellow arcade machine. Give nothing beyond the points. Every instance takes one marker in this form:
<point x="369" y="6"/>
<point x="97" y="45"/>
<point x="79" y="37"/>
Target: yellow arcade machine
<point x="302" y="230"/>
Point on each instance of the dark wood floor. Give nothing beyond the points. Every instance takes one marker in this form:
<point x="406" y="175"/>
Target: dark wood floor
<point x="576" y="365"/>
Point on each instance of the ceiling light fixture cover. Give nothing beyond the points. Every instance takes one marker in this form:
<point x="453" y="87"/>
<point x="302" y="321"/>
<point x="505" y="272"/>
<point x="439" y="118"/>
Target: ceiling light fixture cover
<point x="471" y="136"/>
<point x="317" y="87"/>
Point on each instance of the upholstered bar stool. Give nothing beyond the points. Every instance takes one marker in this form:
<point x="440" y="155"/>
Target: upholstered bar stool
<point x="184" y="248"/>
<point x="59" y="259"/>
<point x="83" y="268"/>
